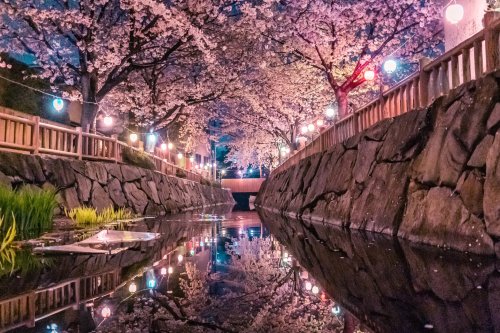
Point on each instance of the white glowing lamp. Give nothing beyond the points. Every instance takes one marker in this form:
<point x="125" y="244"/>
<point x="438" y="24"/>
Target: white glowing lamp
<point x="315" y="290"/>
<point x="303" y="129"/>
<point x="170" y="146"/>
<point x="170" y="270"/>
<point x="308" y="286"/>
<point x="163" y="147"/>
<point x="106" y="312"/>
<point x="133" y="137"/>
<point x="132" y="288"/>
<point x="310" y="127"/>
<point x="320" y="122"/>
<point x="180" y="156"/>
<point x="108" y="121"/>
<point x="180" y="258"/>
<point x="369" y="75"/>
<point x="152" y="137"/>
<point x="191" y="159"/>
<point x="163" y="271"/>
<point x="390" y="66"/>
<point x="330" y="112"/>
<point x="454" y="13"/>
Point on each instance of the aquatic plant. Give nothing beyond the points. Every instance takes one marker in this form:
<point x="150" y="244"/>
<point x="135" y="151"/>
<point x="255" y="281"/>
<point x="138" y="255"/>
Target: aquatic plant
<point x="8" y="238"/>
<point x="30" y="209"/>
<point x="89" y="215"/>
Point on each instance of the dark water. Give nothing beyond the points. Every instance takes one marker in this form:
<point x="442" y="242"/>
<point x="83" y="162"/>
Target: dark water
<point x="373" y="283"/>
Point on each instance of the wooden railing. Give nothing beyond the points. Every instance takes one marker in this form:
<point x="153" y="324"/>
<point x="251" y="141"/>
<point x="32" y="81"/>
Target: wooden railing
<point x="23" y="133"/>
<point x="25" y="309"/>
<point x="467" y="61"/>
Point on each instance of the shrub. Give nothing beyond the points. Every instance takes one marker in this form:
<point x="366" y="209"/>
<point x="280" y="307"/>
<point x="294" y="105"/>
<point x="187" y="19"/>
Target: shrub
<point x="90" y="216"/>
<point x="136" y="158"/>
<point x="30" y="209"/>
<point x="180" y="173"/>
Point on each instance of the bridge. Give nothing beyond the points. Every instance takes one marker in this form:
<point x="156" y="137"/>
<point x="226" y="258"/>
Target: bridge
<point x="243" y="185"/>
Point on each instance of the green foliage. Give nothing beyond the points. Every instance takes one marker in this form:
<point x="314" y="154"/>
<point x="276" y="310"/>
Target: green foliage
<point x="21" y="261"/>
<point x="136" y="158"/>
<point x="89" y="216"/>
<point x="8" y="238"/>
<point x="29" y="209"/>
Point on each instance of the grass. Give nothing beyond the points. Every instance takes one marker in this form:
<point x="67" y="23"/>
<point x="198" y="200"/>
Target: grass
<point x="28" y="209"/>
<point x="89" y="216"/>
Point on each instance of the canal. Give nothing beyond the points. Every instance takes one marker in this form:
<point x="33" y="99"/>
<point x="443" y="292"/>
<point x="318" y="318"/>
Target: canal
<point x="227" y="271"/>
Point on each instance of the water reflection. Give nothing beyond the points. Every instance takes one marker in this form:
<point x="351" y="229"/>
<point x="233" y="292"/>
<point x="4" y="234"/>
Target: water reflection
<point x="395" y="286"/>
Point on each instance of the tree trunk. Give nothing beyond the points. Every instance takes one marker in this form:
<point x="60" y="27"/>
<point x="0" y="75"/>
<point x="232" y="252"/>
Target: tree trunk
<point x="90" y="107"/>
<point x="342" y="103"/>
<point x="349" y="323"/>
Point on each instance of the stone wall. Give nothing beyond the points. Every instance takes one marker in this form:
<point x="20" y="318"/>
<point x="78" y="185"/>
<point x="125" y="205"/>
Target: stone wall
<point x="101" y="185"/>
<point x="431" y="175"/>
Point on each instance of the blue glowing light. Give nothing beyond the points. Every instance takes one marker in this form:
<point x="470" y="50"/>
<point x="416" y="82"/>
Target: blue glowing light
<point x="151" y="283"/>
<point x="58" y="104"/>
<point x="192" y="252"/>
<point x="336" y="310"/>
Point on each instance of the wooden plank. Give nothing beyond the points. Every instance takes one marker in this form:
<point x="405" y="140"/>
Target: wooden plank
<point x="466" y="65"/>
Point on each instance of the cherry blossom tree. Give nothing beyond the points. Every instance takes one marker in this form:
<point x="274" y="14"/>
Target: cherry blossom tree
<point x="344" y="39"/>
<point x="91" y="47"/>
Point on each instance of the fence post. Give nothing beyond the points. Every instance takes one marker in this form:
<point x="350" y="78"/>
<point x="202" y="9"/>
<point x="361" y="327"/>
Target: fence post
<point x="79" y="143"/>
<point x="491" y="41"/>
<point x="424" y="82"/>
<point x="115" y="148"/>
<point x="36" y="135"/>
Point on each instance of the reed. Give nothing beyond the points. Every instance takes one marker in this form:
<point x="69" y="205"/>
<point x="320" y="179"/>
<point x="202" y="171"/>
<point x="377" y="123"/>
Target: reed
<point x="89" y="216"/>
<point x="30" y="209"/>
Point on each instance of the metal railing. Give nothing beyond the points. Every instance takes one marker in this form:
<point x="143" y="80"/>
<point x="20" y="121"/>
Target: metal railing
<point x="28" y="134"/>
<point x="467" y="61"/>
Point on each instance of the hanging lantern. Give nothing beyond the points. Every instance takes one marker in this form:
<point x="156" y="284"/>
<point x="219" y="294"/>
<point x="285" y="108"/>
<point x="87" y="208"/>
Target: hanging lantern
<point x="151" y="283"/>
<point x="163" y="147"/>
<point x="163" y="271"/>
<point x="191" y="159"/>
<point x="303" y="129"/>
<point x="58" y="104"/>
<point x="336" y="310"/>
<point x="454" y="13"/>
<point x="315" y="290"/>
<point x="390" y="66"/>
<point x="180" y="257"/>
<point x="180" y="156"/>
<point x="308" y="286"/>
<point x="108" y="121"/>
<point x="106" y="312"/>
<point x="369" y="75"/>
<point x="152" y="137"/>
<point x="320" y="122"/>
<point x="132" y="288"/>
<point x="310" y="127"/>
<point x="170" y="270"/>
<point x="170" y="146"/>
<point x="133" y="137"/>
<point x="330" y="112"/>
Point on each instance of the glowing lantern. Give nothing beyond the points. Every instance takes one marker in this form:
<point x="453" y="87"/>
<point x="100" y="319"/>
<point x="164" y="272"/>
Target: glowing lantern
<point x="191" y="159"/>
<point x="152" y="137"/>
<point x="132" y="288"/>
<point x="133" y="137"/>
<point x="320" y="122"/>
<point x="163" y="147"/>
<point x="170" y="270"/>
<point x="58" y="104"/>
<point x="390" y="66"/>
<point x="454" y="13"/>
<point x="108" y="121"/>
<point x="151" y="283"/>
<point x="369" y="75"/>
<point x="308" y="286"/>
<point x="106" y="312"/>
<point x="303" y="129"/>
<point x="180" y="258"/>
<point x="336" y="310"/>
<point x="163" y="271"/>
<point x="170" y="146"/>
<point x="180" y="156"/>
<point x="330" y="112"/>
<point x="315" y="290"/>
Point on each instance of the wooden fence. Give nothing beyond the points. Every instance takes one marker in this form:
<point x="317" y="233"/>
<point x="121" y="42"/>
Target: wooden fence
<point x="467" y="61"/>
<point x="25" y="309"/>
<point x="22" y="133"/>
